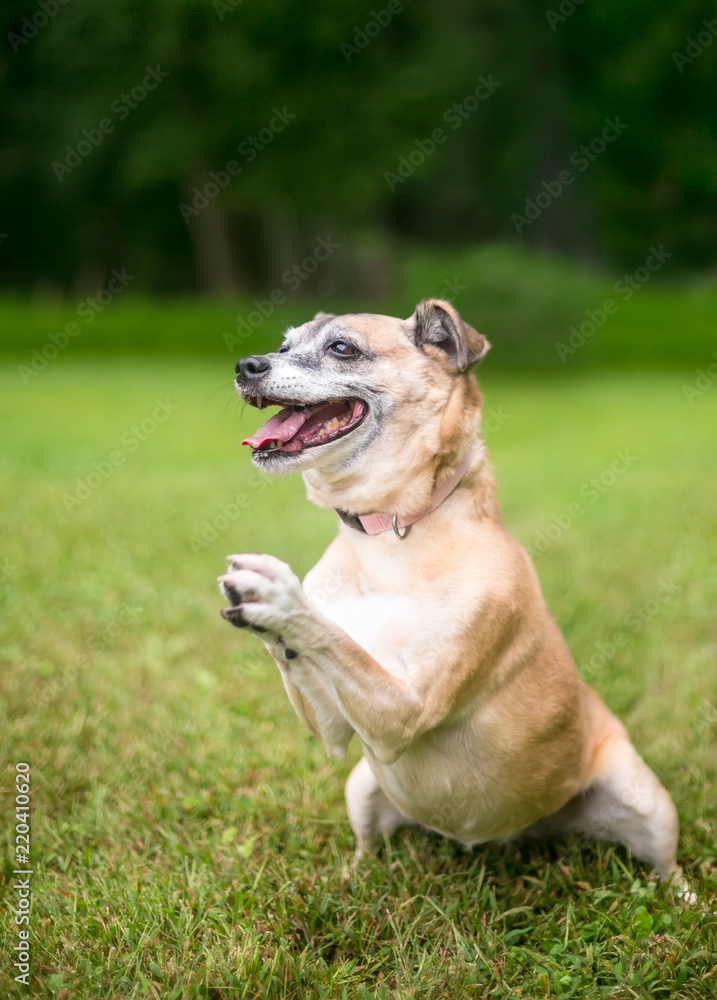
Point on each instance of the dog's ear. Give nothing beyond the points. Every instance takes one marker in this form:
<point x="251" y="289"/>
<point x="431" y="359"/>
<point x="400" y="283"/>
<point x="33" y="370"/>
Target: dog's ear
<point x="437" y="322"/>
<point x="321" y="315"/>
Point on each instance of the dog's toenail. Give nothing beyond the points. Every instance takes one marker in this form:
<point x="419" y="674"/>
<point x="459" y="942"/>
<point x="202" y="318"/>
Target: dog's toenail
<point x="234" y="616"/>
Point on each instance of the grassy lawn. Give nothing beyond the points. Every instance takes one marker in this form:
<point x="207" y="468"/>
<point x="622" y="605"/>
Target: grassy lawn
<point x="189" y="835"/>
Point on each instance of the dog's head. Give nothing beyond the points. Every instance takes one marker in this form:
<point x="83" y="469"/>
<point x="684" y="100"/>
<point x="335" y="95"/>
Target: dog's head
<point x="365" y="397"/>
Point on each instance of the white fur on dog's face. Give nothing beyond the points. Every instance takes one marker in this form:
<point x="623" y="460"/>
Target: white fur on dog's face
<point x="410" y="374"/>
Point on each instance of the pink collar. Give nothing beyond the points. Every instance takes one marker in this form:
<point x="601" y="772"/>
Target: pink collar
<point x="374" y="524"/>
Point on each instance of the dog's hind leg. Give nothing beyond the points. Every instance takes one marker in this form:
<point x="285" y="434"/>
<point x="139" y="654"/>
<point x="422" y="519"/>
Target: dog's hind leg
<point x="624" y="802"/>
<point x="372" y="814"/>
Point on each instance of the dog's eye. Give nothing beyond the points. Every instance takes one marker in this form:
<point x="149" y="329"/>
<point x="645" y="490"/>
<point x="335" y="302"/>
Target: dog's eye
<point x="343" y="350"/>
<point x="283" y="350"/>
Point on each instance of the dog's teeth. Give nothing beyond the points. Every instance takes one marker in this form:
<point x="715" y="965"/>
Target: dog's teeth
<point x="259" y="402"/>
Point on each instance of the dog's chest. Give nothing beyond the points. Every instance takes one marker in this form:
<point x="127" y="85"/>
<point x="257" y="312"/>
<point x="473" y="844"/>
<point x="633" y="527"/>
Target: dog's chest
<point x="402" y="631"/>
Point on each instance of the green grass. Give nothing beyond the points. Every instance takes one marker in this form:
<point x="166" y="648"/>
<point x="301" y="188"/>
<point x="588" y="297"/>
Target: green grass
<point x="189" y="835"/>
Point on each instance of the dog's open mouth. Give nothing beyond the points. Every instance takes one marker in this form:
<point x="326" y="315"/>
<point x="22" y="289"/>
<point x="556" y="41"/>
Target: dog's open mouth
<point x="298" y="426"/>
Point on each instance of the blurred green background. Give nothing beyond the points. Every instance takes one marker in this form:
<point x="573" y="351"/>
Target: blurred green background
<point x="517" y="159"/>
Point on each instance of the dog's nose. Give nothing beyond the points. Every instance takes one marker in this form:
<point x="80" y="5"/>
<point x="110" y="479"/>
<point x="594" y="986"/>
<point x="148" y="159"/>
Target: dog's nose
<point x="252" y="367"/>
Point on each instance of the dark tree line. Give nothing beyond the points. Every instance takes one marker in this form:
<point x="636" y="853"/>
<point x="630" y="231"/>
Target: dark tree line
<point x="210" y="144"/>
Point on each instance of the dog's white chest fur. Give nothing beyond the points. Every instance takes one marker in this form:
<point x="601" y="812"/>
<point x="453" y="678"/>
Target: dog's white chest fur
<point x="380" y="623"/>
<point x="397" y="624"/>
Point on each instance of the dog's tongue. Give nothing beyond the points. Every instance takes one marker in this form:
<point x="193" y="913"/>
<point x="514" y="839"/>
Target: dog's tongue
<point x="281" y="427"/>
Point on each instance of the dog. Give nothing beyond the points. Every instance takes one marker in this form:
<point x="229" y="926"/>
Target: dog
<point x="423" y="630"/>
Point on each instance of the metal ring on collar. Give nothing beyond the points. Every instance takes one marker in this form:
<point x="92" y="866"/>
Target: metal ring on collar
<point x="397" y="533"/>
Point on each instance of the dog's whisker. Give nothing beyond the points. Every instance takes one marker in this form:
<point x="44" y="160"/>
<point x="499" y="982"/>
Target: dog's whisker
<point x="219" y="388"/>
<point x="235" y="398"/>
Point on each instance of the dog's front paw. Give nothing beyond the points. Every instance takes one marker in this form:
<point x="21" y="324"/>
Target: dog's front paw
<point x="264" y="592"/>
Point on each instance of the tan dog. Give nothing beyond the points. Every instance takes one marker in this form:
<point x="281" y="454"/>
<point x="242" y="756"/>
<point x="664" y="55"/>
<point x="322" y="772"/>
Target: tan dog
<point x="423" y="630"/>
